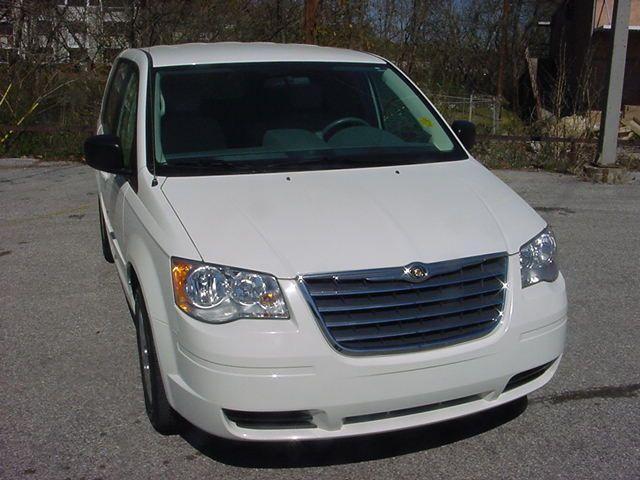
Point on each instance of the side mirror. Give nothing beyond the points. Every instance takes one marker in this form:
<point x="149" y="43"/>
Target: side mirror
<point x="104" y="153"/>
<point x="466" y="132"/>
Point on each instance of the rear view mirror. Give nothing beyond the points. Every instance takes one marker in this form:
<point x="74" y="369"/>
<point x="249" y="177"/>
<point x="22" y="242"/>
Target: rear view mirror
<point x="104" y="153"/>
<point x="466" y="132"/>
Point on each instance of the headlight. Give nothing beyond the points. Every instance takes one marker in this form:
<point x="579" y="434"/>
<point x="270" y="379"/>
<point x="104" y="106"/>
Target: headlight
<point x="216" y="294"/>
<point x="538" y="259"/>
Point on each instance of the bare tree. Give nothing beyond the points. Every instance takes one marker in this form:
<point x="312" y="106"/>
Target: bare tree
<point x="310" y="23"/>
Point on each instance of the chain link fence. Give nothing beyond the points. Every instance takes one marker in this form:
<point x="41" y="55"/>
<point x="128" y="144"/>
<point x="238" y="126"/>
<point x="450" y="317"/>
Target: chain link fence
<point x="483" y="110"/>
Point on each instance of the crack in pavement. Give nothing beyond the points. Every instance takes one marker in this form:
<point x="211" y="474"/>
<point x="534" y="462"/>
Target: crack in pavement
<point x="24" y="219"/>
<point x="611" y="391"/>
<point x="48" y="169"/>
<point x="560" y="210"/>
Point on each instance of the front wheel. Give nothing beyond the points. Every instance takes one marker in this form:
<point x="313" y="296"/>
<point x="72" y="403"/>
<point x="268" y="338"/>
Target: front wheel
<point x="161" y="415"/>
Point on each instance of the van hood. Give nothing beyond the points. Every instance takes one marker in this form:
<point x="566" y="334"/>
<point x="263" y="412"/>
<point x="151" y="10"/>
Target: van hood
<point x="290" y="224"/>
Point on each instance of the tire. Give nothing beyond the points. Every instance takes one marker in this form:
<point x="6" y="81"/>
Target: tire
<point x="106" y="248"/>
<point x="163" y="417"/>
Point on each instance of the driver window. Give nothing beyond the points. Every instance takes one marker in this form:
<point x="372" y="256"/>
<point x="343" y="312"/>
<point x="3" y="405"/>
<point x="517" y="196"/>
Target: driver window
<point x="406" y="115"/>
<point x="126" y="129"/>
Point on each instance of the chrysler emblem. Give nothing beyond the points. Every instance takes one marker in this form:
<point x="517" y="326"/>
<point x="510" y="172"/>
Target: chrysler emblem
<point x="415" y="273"/>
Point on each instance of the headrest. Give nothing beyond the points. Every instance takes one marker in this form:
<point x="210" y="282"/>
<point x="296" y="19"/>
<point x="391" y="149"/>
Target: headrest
<point x="306" y="97"/>
<point x="299" y="93"/>
<point x="189" y="93"/>
<point x="180" y="94"/>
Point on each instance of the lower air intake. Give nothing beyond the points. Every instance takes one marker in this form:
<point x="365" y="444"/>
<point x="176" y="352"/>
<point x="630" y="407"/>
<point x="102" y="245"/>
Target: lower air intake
<point x="527" y="376"/>
<point x="270" y="420"/>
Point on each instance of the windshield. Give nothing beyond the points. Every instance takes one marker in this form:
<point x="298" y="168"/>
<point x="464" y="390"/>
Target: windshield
<point x="273" y="117"/>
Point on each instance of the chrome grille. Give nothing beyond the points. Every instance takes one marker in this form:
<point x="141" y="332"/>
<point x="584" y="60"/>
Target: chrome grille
<point x="387" y="310"/>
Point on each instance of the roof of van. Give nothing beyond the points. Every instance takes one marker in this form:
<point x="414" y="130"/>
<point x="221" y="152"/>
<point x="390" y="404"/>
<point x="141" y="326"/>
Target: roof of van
<point x="238" y="52"/>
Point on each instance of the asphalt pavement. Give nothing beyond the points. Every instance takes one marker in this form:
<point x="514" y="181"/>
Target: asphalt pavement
<point x="71" y="402"/>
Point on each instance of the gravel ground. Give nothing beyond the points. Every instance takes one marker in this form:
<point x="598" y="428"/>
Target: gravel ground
<point x="71" y="399"/>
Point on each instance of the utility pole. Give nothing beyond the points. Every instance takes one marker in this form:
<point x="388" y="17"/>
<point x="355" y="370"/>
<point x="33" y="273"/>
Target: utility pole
<point x="610" y="120"/>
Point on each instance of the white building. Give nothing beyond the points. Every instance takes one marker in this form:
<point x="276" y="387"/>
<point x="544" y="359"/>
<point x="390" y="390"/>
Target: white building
<point x="73" y="31"/>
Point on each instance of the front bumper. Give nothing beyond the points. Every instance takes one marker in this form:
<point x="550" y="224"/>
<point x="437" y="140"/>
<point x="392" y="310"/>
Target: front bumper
<point x="283" y="366"/>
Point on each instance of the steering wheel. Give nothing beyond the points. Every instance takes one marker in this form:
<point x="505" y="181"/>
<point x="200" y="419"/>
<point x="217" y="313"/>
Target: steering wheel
<point x="330" y="130"/>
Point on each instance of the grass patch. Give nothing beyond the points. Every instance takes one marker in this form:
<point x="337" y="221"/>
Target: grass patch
<point x="553" y="157"/>
<point x="47" y="146"/>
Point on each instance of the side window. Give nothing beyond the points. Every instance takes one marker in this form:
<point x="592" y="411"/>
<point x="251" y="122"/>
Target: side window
<point x="119" y="113"/>
<point x="114" y="98"/>
<point x="396" y="117"/>
<point x="405" y="115"/>
<point x="126" y="129"/>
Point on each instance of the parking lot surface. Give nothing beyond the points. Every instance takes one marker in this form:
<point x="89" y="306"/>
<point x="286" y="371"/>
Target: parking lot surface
<point x="71" y="403"/>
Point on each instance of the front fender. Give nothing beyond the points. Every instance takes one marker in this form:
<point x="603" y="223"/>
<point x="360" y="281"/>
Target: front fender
<point x="153" y="235"/>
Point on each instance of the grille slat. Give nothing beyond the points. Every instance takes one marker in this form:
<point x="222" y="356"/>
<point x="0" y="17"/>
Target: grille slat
<point x="391" y="301"/>
<point x="375" y="333"/>
<point x="372" y="289"/>
<point x="456" y="309"/>
<point x="390" y="345"/>
<point x="381" y="311"/>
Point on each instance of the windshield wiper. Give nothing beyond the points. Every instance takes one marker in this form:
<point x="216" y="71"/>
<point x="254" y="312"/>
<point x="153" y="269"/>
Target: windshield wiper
<point x="199" y="162"/>
<point x="211" y="165"/>
<point x="299" y="161"/>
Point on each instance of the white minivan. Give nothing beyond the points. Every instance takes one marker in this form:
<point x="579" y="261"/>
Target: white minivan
<point x="310" y="251"/>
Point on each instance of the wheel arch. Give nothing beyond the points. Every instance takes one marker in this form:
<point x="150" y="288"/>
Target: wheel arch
<point x="144" y="274"/>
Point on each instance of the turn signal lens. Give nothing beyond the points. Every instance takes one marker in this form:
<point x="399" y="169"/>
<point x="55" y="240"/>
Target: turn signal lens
<point x="179" y="271"/>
